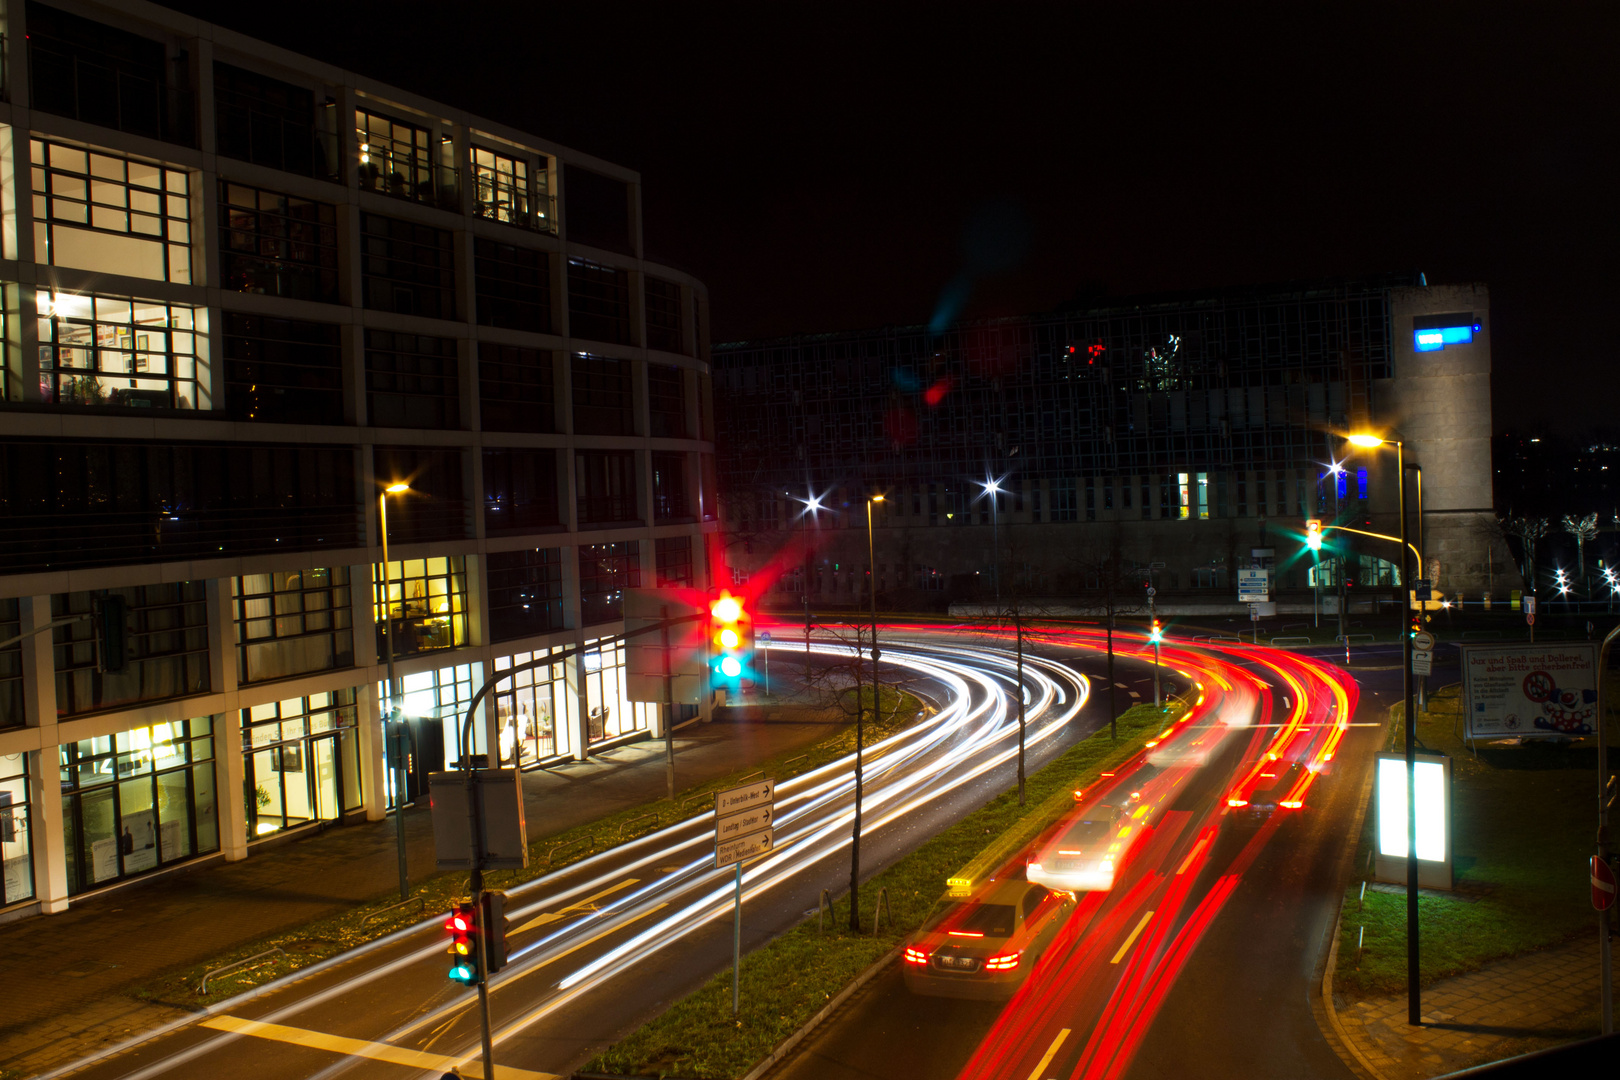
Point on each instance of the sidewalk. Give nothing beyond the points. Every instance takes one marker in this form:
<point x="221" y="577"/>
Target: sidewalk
<point x="1531" y="1002"/>
<point x="65" y="983"/>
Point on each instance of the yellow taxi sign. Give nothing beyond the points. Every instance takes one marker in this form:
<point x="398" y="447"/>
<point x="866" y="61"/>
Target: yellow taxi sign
<point x="959" y="886"/>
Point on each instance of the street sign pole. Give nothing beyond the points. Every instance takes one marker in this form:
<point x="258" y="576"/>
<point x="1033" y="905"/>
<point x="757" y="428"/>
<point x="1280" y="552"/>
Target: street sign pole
<point x="1603" y="831"/>
<point x="736" y="948"/>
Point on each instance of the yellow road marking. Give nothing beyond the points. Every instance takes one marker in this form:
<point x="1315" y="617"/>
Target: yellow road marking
<point x="1191" y="855"/>
<point x="571" y="909"/>
<point x="1051" y="1052"/>
<point x="376" y="1051"/>
<point x="1125" y="948"/>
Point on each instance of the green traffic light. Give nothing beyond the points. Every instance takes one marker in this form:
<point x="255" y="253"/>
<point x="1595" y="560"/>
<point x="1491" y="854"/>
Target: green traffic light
<point x="1313" y="541"/>
<point x="462" y="973"/>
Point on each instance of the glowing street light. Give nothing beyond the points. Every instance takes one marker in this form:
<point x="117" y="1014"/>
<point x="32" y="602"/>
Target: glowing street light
<point x="1366" y="440"/>
<point x="396" y="734"/>
<point x="993" y="489"/>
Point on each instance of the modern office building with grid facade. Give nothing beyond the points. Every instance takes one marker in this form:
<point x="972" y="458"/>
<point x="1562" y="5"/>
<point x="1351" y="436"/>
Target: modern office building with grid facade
<point x="244" y="292"/>
<point x="1185" y="431"/>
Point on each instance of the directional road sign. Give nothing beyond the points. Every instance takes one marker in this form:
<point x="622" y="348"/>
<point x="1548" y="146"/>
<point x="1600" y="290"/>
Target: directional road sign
<point x="742" y="822"/>
<point x="1422" y="662"/>
<point x="1254" y="586"/>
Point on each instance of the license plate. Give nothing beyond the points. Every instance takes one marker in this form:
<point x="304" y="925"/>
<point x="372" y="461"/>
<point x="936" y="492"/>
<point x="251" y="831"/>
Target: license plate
<point x="957" y="963"/>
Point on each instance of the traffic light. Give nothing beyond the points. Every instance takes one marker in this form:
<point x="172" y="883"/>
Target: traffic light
<point x="732" y="635"/>
<point x="495" y="925"/>
<point x="1313" y="535"/>
<point x="464" y="959"/>
<point x="1156" y="635"/>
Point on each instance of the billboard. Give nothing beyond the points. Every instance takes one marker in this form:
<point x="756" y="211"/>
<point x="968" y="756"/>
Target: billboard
<point x="1431" y="783"/>
<point x="1529" y="690"/>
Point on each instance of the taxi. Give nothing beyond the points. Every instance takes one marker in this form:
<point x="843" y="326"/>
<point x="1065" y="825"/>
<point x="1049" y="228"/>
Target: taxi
<point x="984" y="946"/>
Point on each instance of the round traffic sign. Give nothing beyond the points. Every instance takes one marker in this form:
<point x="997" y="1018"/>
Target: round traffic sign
<point x="1602" y="884"/>
<point x="1423" y="641"/>
<point x="1530" y="618"/>
<point x="1151" y="591"/>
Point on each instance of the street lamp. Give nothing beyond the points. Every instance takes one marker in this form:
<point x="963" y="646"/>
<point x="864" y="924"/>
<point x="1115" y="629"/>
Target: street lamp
<point x="992" y="487"/>
<point x="855" y="838"/>
<point x="396" y="737"/>
<point x="812" y="504"/>
<point x="1414" y="1010"/>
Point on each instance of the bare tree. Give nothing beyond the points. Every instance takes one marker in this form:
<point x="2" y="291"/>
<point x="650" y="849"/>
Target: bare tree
<point x="1582" y="529"/>
<point x="1528" y="530"/>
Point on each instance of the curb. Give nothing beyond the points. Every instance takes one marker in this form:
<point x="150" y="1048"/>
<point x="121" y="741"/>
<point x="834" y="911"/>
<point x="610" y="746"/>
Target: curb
<point x="788" y="1044"/>
<point x="1363" y="802"/>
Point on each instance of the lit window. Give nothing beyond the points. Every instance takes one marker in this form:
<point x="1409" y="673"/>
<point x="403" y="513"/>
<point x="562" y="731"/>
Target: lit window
<point x="401" y="159"/>
<point x="103" y="350"/>
<point x="1184" y="504"/>
<point x="112" y="214"/>
<point x="502" y="190"/>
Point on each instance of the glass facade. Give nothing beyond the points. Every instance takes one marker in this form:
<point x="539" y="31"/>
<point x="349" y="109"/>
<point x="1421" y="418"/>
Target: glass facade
<point x="609" y="712"/>
<point x="167" y="646"/>
<point x="292" y="622"/>
<point x="302" y="761"/>
<point x="532" y="709"/>
<point x="138" y="801"/>
<point x="427" y="604"/>
<point x="16" y="835"/>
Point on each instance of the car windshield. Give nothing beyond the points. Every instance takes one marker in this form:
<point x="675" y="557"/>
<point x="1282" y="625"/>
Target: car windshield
<point x="971" y="919"/>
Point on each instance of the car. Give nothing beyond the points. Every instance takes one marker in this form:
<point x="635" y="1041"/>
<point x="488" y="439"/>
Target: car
<point x="1273" y="787"/>
<point x="1084" y="854"/>
<point x="985" y="945"/>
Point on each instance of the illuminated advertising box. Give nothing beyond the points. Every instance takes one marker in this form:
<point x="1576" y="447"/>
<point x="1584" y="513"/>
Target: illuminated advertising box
<point x="1432" y="778"/>
<point x="1530" y="690"/>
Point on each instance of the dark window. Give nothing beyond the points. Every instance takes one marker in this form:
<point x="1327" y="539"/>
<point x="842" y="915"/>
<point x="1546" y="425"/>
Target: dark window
<point x="669" y="488"/>
<point x="665" y="327"/>
<point x="89" y="71"/>
<point x="520" y="491"/>
<point x="598" y="209"/>
<point x="605" y="571"/>
<point x="517" y="389"/>
<point x="166" y="640"/>
<point x="407" y="268"/>
<point x="673" y="555"/>
<point x="412" y="381"/>
<point x="74" y="504"/>
<point x="292" y="622"/>
<point x="276" y="244"/>
<point x="598" y="302"/>
<point x="605" y="482"/>
<point x="603" y="401"/>
<point x="11" y="672"/>
<point x="436" y="506"/>
<point x="270" y="123"/>
<point x="525" y="592"/>
<point x="283" y="371"/>
<point x="405" y="160"/>
<point x="514" y="286"/>
<point x="666" y="401"/>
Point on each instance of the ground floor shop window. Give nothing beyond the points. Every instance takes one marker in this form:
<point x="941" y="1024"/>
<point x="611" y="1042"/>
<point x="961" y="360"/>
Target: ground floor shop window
<point x="138" y="801"/>
<point x="16" y="850"/>
<point x="302" y="761"/>
<point x="609" y="712"/>
<point x="533" y="710"/>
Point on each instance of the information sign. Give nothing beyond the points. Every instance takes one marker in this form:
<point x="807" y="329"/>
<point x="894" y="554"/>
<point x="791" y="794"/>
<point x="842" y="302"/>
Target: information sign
<point x="742" y="822"/>
<point x="760" y="793"/>
<point x="1422" y="589"/>
<point x="1254" y="585"/>
<point x="1422" y="662"/>
<point x="1529" y="605"/>
<point x="1530" y="690"/>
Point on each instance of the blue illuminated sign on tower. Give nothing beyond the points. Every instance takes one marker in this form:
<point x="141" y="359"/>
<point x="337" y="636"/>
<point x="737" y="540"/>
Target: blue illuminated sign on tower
<point x="1431" y="333"/>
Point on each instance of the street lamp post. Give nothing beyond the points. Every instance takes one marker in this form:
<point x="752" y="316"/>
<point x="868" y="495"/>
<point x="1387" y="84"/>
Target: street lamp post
<point x="1414" y="1010"/>
<point x="992" y="488"/>
<point x="812" y="503"/>
<point x="394" y="741"/>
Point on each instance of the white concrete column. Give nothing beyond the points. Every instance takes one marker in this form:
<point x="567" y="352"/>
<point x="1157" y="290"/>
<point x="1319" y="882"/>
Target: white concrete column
<point x="45" y="790"/>
<point x="373" y="752"/>
<point x="230" y="785"/>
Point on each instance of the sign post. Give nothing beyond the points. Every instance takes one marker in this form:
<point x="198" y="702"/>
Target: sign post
<point x="742" y="830"/>
<point x="765" y="659"/>
<point x="1530" y="616"/>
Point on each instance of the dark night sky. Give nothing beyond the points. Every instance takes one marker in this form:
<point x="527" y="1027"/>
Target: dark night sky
<point x="824" y="167"/>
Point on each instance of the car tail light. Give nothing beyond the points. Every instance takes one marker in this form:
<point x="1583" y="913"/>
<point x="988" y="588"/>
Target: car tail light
<point x="1002" y="962"/>
<point x="915" y="956"/>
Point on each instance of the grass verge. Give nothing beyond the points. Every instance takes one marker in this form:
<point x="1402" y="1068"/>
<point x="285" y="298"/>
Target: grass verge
<point x="789" y="980"/>
<point x="321" y="939"/>
<point x="1522" y="829"/>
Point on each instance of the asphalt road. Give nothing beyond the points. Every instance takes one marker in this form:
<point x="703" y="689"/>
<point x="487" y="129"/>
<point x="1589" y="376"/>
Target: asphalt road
<point x="605" y="943"/>
<point x="1225" y="989"/>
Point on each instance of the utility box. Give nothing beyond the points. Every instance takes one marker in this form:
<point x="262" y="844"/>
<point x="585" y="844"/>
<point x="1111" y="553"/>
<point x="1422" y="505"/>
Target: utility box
<point x="503" y="840"/>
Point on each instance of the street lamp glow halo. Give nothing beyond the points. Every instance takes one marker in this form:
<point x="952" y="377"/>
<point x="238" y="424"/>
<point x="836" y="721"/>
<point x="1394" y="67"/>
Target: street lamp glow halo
<point x="397" y="489"/>
<point x="1365" y="440"/>
<point x="877" y="498"/>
